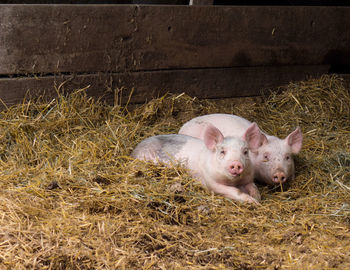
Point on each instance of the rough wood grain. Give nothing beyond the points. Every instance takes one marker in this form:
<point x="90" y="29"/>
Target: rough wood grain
<point x="202" y="83"/>
<point x="201" y="2"/>
<point x="44" y="39"/>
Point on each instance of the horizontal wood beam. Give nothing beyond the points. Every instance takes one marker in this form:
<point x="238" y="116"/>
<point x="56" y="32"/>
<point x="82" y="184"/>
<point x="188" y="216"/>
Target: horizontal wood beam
<point x="202" y="83"/>
<point x="201" y="2"/>
<point x="44" y="39"/>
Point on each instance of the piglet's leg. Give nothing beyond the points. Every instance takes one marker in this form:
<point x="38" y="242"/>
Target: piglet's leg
<point x="252" y="190"/>
<point x="232" y="193"/>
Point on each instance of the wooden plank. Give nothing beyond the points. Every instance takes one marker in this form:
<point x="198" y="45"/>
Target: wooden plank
<point x="201" y="2"/>
<point x="185" y="2"/>
<point x="66" y="1"/>
<point x="119" y="38"/>
<point x="202" y="83"/>
<point x="284" y="2"/>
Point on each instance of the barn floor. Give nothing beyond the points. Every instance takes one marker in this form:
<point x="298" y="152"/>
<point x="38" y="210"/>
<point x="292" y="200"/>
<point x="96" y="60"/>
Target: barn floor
<point x="72" y="198"/>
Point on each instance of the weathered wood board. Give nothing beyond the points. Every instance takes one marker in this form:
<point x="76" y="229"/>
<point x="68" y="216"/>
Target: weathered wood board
<point x="201" y="2"/>
<point x="117" y="38"/>
<point x="230" y="50"/>
<point x="204" y="83"/>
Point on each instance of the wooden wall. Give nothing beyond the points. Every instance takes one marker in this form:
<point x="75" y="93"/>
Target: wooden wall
<point x="205" y="51"/>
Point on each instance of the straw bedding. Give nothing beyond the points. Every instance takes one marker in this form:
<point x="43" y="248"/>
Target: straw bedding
<point x="72" y="198"/>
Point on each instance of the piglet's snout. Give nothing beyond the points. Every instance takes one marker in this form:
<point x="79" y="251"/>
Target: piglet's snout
<point x="279" y="177"/>
<point x="236" y="168"/>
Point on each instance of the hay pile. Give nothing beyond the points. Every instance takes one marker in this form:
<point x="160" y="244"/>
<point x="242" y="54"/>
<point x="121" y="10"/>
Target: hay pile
<point x="72" y="198"/>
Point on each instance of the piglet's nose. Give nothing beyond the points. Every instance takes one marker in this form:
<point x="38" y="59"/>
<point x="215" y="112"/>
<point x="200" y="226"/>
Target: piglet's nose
<point x="236" y="167"/>
<point x="279" y="177"/>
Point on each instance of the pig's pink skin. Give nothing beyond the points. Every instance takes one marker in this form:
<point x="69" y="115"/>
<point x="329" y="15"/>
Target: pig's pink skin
<point x="208" y="161"/>
<point x="272" y="160"/>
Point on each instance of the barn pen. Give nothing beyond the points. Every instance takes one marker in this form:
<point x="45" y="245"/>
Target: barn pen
<point x="81" y="84"/>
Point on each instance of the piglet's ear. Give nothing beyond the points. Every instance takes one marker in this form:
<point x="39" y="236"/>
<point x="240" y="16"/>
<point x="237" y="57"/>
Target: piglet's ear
<point x="254" y="137"/>
<point x="212" y="136"/>
<point x="295" y="140"/>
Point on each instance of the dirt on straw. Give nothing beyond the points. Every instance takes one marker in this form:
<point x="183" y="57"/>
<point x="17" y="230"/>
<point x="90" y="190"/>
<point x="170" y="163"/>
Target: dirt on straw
<point x="72" y="198"/>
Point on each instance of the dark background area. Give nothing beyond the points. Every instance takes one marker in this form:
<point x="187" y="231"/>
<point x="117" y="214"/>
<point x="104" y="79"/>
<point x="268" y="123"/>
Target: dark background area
<point x="185" y="2"/>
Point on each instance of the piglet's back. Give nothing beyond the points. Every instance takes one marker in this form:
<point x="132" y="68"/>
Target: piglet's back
<point x="229" y="125"/>
<point x="164" y="148"/>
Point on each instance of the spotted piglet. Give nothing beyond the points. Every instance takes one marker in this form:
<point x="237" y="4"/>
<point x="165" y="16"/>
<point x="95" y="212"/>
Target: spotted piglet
<point x="221" y="164"/>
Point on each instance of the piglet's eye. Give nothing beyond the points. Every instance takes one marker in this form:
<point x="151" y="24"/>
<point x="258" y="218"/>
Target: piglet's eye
<point x="223" y="152"/>
<point x="266" y="157"/>
<point x="287" y="157"/>
<point x="245" y="152"/>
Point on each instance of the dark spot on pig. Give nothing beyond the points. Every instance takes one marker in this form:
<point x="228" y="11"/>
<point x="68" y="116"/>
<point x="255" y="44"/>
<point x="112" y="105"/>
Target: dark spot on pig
<point x="170" y="146"/>
<point x="174" y="140"/>
<point x="53" y="185"/>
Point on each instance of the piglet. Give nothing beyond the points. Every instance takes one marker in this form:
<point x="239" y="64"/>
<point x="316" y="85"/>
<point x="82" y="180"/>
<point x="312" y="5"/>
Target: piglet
<point x="221" y="164"/>
<point x="272" y="161"/>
